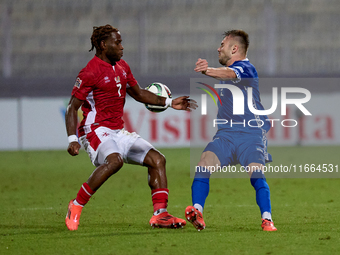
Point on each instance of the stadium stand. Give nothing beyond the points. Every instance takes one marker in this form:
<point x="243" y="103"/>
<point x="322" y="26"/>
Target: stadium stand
<point x="50" y="39"/>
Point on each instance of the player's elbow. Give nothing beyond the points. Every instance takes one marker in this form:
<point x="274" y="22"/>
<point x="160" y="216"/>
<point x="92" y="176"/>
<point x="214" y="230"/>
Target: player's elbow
<point x="228" y="74"/>
<point x="141" y="96"/>
<point x="136" y="96"/>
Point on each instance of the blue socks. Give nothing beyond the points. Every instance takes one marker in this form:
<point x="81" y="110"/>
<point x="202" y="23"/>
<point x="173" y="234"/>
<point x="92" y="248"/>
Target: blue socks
<point x="200" y="188"/>
<point x="258" y="181"/>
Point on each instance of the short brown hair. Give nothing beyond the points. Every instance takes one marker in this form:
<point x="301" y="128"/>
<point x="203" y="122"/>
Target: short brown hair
<point x="101" y="33"/>
<point x="241" y="35"/>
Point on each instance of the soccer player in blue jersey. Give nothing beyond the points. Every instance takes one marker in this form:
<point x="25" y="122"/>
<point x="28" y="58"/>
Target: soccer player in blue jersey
<point x="234" y="143"/>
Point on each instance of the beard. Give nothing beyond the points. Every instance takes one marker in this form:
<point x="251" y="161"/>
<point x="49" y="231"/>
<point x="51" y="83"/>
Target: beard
<point x="113" y="56"/>
<point x="223" y="60"/>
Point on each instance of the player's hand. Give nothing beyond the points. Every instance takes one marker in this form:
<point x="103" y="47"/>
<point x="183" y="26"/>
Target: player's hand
<point x="73" y="148"/>
<point x="201" y="65"/>
<point x="184" y="103"/>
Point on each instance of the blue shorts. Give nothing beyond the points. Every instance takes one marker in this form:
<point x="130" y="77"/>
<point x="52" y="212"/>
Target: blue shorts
<point x="238" y="147"/>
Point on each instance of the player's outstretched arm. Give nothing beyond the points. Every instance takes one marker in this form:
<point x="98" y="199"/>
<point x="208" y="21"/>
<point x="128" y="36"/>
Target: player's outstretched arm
<point x="221" y="73"/>
<point x="147" y="97"/>
<point x="71" y="120"/>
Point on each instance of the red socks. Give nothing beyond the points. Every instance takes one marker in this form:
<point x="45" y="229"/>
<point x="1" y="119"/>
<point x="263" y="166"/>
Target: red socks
<point x="84" y="194"/>
<point x="159" y="199"/>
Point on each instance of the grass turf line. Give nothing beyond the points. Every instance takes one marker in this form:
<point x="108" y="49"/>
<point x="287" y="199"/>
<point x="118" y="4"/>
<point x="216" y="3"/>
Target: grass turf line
<point x="36" y="186"/>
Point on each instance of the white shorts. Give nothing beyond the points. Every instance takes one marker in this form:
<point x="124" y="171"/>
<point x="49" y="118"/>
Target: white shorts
<point x="104" y="141"/>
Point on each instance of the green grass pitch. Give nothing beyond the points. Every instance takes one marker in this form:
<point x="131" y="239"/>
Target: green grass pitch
<point x="36" y="186"/>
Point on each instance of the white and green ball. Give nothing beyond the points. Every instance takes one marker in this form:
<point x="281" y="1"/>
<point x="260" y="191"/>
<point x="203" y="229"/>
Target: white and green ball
<point x="160" y="90"/>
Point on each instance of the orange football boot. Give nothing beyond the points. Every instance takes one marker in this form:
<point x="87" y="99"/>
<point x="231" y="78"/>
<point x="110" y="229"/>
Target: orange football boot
<point x="268" y="225"/>
<point x="166" y="220"/>
<point x="195" y="217"/>
<point x="73" y="215"/>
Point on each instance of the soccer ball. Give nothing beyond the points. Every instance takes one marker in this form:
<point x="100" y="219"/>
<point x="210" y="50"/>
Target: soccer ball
<point x="160" y="90"/>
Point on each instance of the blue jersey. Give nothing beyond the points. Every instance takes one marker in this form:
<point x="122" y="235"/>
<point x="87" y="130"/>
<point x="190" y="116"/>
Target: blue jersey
<point x="246" y="77"/>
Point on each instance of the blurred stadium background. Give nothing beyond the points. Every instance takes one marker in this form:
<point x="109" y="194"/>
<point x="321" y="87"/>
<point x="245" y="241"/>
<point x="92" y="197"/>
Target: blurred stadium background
<point x="44" y="44"/>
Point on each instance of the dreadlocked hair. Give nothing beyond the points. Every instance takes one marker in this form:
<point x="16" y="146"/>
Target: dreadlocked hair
<point x="100" y="34"/>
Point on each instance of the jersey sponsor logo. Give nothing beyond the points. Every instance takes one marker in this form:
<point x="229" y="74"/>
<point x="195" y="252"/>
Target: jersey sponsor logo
<point x="117" y="79"/>
<point x="105" y="134"/>
<point x="78" y="82"/>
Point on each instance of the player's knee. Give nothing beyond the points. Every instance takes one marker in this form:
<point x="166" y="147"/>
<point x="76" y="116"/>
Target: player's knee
<point x="254" y="167"/>
<point x="155" y="159"/>
<point x="201" y="172"/>
<point x="159" y="161"/>
<point x="208" y="158"/>
<point x="202" y="163"/>
<point x="114" y="162"/>
<point x="257" y="178"/>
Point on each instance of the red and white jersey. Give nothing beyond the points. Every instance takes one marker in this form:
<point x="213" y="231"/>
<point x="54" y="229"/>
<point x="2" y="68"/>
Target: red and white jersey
<point x="102" y="87"/>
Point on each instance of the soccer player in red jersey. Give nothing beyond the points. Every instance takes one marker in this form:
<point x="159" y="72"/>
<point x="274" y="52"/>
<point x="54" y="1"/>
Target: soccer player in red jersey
<point x="100" y="91"/>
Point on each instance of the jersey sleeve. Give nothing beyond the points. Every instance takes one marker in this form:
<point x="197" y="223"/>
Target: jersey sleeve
<point x="241" y="72"/>
<point x="83" y="85"/>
